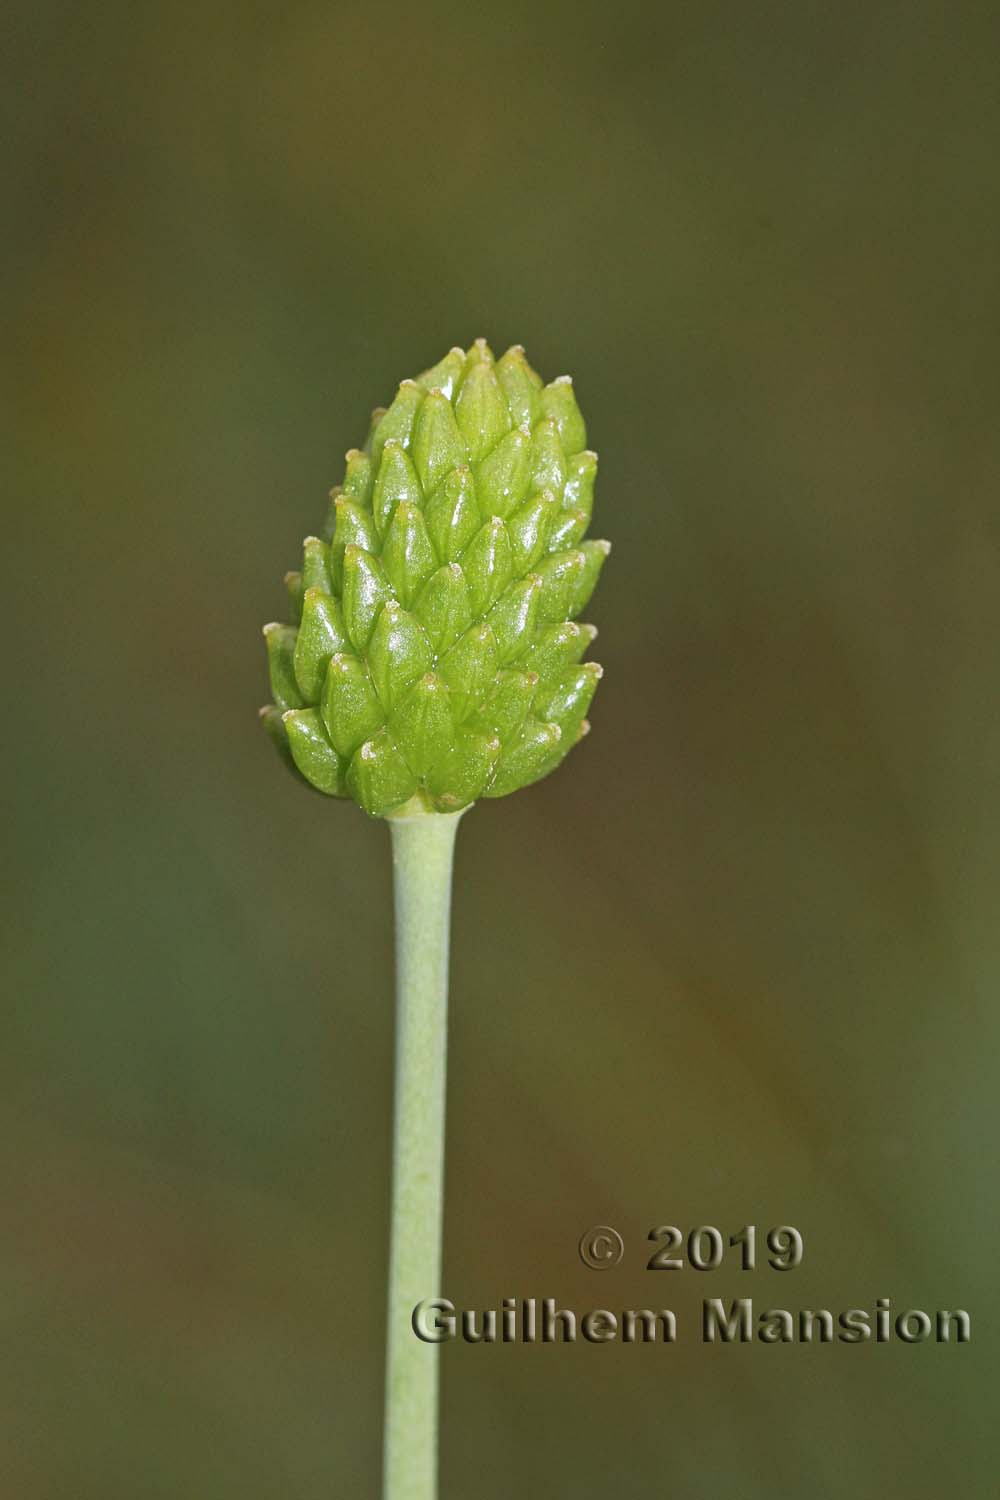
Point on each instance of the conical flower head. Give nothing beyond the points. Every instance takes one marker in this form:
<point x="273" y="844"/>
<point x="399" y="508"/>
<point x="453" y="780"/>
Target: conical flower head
<point x="434" y="650"/>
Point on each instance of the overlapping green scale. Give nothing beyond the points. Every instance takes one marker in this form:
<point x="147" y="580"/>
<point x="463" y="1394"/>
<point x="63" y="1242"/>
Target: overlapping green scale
<point x="434" y="651"/>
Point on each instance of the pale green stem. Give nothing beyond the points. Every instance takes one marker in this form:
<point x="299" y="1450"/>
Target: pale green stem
<point x="422" y="851"/>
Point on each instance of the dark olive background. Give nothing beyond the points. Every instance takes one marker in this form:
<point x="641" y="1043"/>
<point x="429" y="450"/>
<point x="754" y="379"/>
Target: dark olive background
<point x="736" y="962"/>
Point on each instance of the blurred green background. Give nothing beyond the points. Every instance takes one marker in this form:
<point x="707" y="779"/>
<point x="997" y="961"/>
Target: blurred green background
<point x="736" y="962"/>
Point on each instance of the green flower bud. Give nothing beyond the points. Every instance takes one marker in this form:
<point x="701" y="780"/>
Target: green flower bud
<point x="548" y="460"/>
<point x="397" y="483"/>
<point x="560" y="574"/>
<point x="567" y="700"/>
<point x="437" y="443"/>
<point x="557" y="647"/>
<point x="595" y="555"/>
<point x="579" y="491"/>
<point x="464" y="771"/>
<point x="469" y="668"/>
<point x="350" y="707"/>
<point x="503" y="476"/>
<point x="399" y="653"/>
<point x="408" y="556"/>
<point x="487" y="565"/>
<point x="321" y="635"/>
<point x="280" y="641"/>
<point x="315" y="564"/>
<point x="482" y="411"/>
<point x="530" y="529"/>
<point x="353" y="527"/>
<point x="359" y="477"/>
<point x="444" y="376"/>
<point x="514" y="616"/>
<point x="507" y="707"/>
<point x="453" y="514"/>
<point x="521" y="386"/>
<point x="559" y="403"/>
<point x="312" y="752"/>
<point x="378" y="777"/>
<point x="567" y="529"/>
<point x="424" y="726"/>
<point x="444" y="608"/>
<point x="536" y="751"/>
<point x="366" y="591"/>
<point x="433" y="650"/>
<point x="396" y="423"/>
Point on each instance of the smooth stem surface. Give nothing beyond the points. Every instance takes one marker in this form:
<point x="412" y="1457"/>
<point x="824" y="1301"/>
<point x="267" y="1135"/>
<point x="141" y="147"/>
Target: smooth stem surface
<point x="422" y="852"/>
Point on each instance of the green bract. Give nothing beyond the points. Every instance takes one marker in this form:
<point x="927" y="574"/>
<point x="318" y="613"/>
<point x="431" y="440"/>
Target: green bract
<point x="434" y="649"/>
